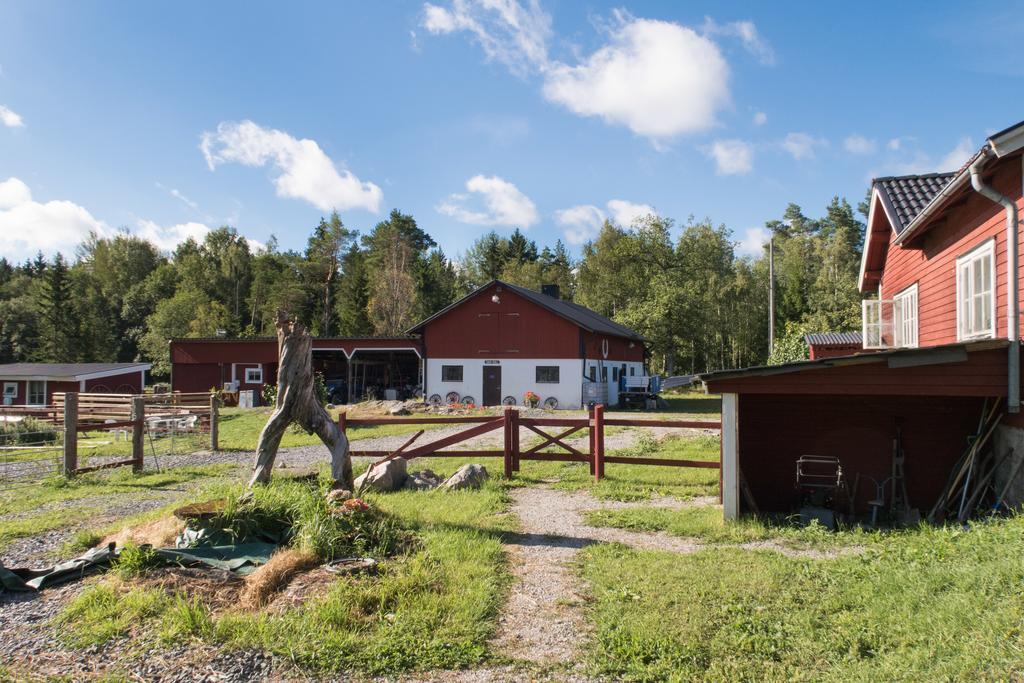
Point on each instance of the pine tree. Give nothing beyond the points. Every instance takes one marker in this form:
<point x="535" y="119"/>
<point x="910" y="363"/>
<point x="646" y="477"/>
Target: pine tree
<point x="59" y="320"/>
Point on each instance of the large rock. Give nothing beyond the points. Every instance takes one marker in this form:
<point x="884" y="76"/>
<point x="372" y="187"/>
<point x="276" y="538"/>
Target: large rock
<point x="470" y="476"/>
<point x="387" y="476"/>
<point x="423" y="481"/>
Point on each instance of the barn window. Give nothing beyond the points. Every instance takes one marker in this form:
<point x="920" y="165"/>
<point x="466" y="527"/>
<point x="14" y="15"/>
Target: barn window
<point x="451" y="373"/>
<point x="593" y="373"/>
<point x="547" y="374"/>
<point x="36" y="393"/>
<point x="615" y="374"/>
<point x="254" y="375"/>
<point x="604" y="374"/>
<point x="10" y="392"/>
<point x="904" y="313"/>
<point x="975" y="287"/>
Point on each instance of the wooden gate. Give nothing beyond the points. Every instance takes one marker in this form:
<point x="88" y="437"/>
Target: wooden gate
<point x="554" y="432"/>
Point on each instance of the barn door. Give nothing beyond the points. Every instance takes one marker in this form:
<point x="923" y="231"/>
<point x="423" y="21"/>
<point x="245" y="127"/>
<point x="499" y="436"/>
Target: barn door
<point x="492" y="385"/>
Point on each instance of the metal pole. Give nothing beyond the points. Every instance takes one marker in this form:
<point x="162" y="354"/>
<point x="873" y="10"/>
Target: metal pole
<point x="771" y="294"/>
<point x="214" y="430"/>
<point x="138" y="433"/>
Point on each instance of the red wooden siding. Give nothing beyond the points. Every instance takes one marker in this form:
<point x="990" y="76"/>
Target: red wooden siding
<point x="930" y="259"/>
<point x="982" y="374"/>
<point x="774" y="430"/>
<point x="618" y="348"/>
<point x="514" y="328"/>
<point x="819" y="351"/>
<point x="127" y="383"/>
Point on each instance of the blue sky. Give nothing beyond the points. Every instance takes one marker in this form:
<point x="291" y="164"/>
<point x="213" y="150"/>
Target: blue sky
<point x="170" y="119"/>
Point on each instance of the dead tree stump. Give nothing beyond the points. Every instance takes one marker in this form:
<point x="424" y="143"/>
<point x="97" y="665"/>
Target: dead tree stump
<point x="297" y="402"/>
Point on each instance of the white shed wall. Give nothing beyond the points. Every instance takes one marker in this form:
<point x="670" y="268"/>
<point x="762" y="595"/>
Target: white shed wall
<point x="518" y="375"/>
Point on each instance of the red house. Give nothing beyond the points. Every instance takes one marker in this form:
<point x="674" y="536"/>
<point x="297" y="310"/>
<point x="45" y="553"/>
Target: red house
<point x="941" y="282"/>
<point x="34" y="384"/>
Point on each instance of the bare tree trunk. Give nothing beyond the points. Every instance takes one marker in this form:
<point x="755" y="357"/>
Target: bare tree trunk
<point x="297" y="402"/>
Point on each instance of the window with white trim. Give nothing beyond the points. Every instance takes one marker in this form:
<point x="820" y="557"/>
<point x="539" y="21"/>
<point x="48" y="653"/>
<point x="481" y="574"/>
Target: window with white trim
<point x="36" y="393"/>
<point x="254" y="375"/>
<point x="976" y="293"/>
<point x="904" y="317"/>
<point x="548" y="374"/>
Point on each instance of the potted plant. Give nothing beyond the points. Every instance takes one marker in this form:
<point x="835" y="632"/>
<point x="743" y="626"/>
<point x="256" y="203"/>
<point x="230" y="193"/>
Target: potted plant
<point x="531" y="399"/>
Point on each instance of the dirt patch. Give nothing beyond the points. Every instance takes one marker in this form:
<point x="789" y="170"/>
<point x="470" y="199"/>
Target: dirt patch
<point x="219" y="590"/>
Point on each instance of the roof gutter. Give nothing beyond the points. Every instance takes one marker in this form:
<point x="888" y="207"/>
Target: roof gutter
<point x="1012" y="275"/>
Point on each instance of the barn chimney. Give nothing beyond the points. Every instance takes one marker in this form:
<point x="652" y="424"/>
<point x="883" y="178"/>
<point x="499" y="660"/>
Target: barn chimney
<point x="550" y="290"/>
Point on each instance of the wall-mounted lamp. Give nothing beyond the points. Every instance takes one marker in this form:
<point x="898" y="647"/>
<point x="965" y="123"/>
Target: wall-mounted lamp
<point x="496" y="299"/>
<point x="632" y="344"/>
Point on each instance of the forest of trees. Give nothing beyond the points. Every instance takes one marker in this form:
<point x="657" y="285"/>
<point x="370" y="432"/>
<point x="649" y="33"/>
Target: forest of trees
<point x="701" y="306"/>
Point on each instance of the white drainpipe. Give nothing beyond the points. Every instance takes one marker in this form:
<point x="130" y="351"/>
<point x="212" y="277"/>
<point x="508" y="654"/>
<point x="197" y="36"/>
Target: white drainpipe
<point x="1012" y="285"/>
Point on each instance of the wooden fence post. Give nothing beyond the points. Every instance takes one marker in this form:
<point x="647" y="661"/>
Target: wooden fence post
<point x="508" y="442"/>
<point x="343" y="422"/>
<point x="138" y="432"/>
<point x="214" y="428"/>
<point x="70" y="434"/>
<point x="598" y="460"/>
<point x="515" y="439"/>
<point x="591" y="432"/>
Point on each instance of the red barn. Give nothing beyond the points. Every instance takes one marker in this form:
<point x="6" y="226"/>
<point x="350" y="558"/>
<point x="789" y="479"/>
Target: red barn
<point x="353" y="367"/>
<point x="503" y="340"/>
<point x="941" y="281"/>
<point x="34" y="384"/>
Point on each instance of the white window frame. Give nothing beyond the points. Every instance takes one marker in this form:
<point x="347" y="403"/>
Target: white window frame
<point x="904" y="328"/>
<point x="462" y="373"/>
<point x="28" y="392"/>
<point x="967" y="301"/>
<point x="7" y="389"/>
<point x="254" y="375"/>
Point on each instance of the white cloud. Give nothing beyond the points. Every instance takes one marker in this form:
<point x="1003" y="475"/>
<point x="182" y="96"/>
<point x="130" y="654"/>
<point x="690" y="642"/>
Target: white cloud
<point x="732" y="157"/>
<point x="582" y="223"/>
<point x="28" y="226"/>
<point x="9" y="118"/>
<point x="958" y="156"/>
<point x="894" y="144"/>
<point x="657" y="78"/>
<point x="627" y="213"/>
<point x="760" y="118"/>
<point x="752" y="241"/>
<point x="801" y="145"/>
<point x="504" y="204"/>
<point x="507" y="32"/>
<point x="306" y="172"/>
<point x="167" y="238"/>
<point x="746" y="31"/>
<point x="858" y="144"/>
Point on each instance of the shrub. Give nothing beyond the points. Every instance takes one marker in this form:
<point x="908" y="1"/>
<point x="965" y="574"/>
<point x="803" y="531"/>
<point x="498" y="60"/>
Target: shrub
<point x="28" y="431"/>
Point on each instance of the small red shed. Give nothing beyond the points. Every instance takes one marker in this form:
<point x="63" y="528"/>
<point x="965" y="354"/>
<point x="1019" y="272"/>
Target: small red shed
<point x="34" y="384"/>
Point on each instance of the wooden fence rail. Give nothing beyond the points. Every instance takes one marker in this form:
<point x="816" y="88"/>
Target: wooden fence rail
<point x="512" y="452"/>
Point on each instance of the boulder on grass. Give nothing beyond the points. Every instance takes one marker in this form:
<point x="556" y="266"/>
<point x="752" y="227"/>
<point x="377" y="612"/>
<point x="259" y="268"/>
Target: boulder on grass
<point x="470" y="476"/>
<point x="387" y="476"/>
<point x="423" y="481"/>
<point x="399" y="409"/>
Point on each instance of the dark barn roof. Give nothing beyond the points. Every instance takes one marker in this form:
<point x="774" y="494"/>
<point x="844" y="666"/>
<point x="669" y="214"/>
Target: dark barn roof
<point x="833" y="338"/>
<point x="907" y="195"/>
<point x="580" y="315"/>
<point x="69" y="371"/>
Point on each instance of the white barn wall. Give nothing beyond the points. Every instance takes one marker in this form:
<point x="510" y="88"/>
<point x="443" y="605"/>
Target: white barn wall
<point x="613" y="387"/>
<point x="518" y="375"/>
